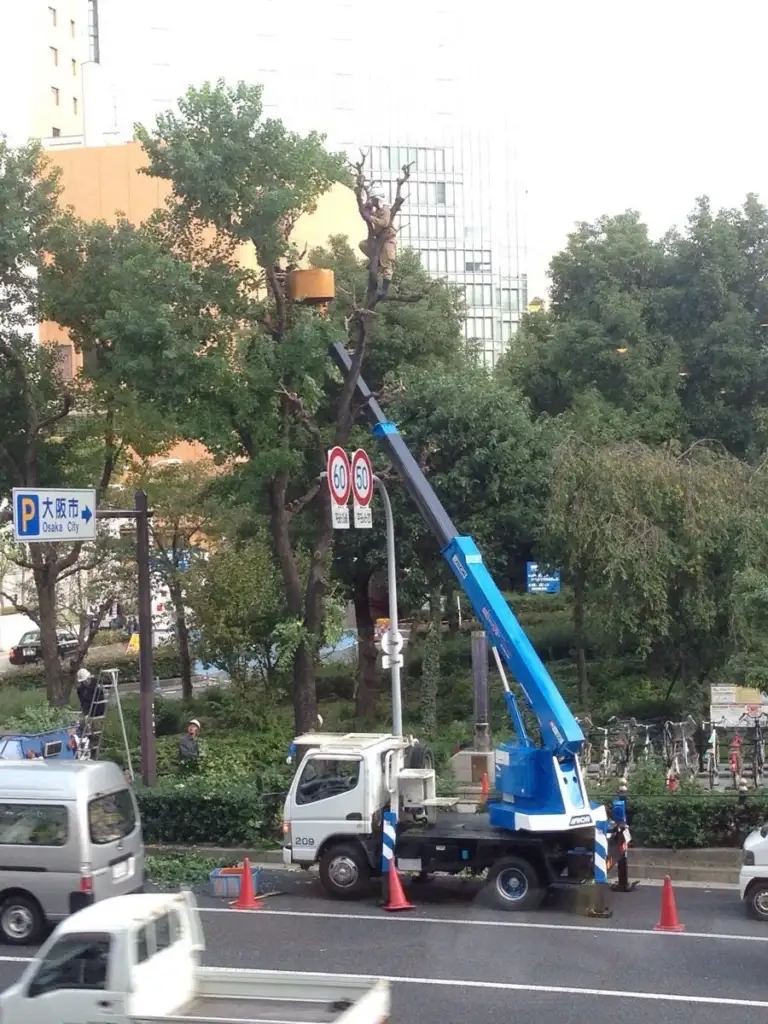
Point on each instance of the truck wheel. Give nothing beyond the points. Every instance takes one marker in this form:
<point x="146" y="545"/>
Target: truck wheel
<point x="21" y="920"/>
<point x="344" y="872"/>
<point x="757" y="901"/>
<point x="514" y="885"/>
<point x="419" y="756"/>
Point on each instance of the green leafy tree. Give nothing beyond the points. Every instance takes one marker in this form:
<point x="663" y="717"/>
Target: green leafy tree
<point x="42" y="442"/>
<point x="716" y="305"/>
<point x="230" y="358"/>
<point x="604" y="332"/>
<point x="650" y="541"/>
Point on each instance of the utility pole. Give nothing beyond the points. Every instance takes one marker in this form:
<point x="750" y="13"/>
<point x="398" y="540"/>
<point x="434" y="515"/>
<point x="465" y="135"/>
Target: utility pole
<point x="146" y="672"/>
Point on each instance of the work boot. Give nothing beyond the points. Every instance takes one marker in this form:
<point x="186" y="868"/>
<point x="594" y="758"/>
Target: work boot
<point x="384" y="287"/>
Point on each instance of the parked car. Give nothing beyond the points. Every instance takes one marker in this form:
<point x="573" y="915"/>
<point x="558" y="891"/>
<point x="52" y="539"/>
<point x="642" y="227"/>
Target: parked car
<point x="29" y="649"/>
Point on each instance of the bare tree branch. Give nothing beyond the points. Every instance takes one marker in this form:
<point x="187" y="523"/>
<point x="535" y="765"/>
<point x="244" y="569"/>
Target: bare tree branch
<point x="22" y="609"/>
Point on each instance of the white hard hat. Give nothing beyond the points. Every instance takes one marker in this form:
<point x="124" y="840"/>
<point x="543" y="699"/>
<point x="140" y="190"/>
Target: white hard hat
<point x="82" y="675"/>
<point x="194" y="721"/>
<point x="320" y="720"/>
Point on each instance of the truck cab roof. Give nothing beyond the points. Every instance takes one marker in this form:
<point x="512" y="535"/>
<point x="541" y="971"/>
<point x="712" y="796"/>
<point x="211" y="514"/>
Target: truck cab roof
<point x="122" y="913"/>
<point x="349" y="742"/>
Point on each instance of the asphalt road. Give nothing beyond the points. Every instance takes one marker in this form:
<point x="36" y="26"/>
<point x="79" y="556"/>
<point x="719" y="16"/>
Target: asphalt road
<point x="453" y="959"/>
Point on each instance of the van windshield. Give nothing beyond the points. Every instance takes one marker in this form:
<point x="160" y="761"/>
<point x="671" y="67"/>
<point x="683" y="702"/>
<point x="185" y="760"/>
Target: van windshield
<point x="111" y="817"/>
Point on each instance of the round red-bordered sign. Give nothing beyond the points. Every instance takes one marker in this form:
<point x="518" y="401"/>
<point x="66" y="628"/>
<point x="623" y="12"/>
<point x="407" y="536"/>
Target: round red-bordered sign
<point x="362" y="478"/>
<point x="339" y="476"/>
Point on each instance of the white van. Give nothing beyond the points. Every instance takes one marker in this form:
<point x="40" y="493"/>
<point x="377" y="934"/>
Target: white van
<point x="70" y="835"/>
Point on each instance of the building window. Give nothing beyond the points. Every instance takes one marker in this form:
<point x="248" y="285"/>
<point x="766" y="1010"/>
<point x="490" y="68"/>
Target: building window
<point x="440" y="193"/>
<point x="72" y="31"/>
<point x="55" y="132"/>
<point x="74" y="66"/>
<point x="55" y="94"/>
<point x="74" y="104"/>
<point x="52" y="13"/>
<point x="65" y="353"/>
<point x="508" y="299"/>
<point x="54" y="56"/>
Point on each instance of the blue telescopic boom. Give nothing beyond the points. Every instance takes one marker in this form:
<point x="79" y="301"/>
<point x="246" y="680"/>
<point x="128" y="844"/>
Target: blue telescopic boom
<point x="560" y="732"/>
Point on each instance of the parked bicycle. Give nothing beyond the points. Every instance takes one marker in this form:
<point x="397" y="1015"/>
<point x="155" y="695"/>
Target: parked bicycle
<point x="712" y="756"/>
<point x="755" y="722"/>
<point x="679" y="755"/>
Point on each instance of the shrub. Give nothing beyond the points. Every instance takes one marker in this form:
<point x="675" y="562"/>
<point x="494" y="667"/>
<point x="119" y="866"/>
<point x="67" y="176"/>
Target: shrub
<point x="695" y="821"/>
<point x="190" y="812"/>
<point x="107" y="638"/>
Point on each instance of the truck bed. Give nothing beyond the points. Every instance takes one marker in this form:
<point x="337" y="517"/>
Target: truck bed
<point x="257" y="1010"/>
<point x="230" y="995"/>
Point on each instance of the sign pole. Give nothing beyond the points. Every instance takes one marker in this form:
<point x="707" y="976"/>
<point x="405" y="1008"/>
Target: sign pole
<point x="395" y="641"/>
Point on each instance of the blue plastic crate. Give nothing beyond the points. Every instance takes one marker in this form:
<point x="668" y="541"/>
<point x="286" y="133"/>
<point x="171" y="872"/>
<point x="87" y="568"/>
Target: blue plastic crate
<point x="225" y="882"/>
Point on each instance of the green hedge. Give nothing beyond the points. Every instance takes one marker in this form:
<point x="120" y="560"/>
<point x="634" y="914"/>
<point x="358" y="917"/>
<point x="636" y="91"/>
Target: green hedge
<point x="165" y="659"/>
<point x="192" y="813"/>
<point x="693" y="821"/>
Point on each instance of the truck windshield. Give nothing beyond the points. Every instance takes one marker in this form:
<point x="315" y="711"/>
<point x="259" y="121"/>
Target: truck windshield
<point x="111" y="817"/>
<point x="326" y="777"/>
<point x="76" y="961"/>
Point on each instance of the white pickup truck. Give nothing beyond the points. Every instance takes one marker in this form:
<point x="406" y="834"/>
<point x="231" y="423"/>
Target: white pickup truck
<point x="136" y="960"/>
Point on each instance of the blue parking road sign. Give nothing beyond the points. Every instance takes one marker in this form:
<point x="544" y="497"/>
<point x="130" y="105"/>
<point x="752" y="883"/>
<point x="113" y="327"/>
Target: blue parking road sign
<point x="53" y="514"/>
<point x="538" y="581"/>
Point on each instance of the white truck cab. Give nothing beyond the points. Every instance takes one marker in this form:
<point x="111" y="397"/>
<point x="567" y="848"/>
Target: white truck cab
<point x="136" y="959"/>
<point x="753" y="877"/>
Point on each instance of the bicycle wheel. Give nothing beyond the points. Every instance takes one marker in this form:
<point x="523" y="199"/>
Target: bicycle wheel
<point x="711" y="771"/>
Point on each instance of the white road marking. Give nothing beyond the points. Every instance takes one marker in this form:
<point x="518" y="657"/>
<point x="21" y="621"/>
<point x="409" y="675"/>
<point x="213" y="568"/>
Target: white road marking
<point x="508" y="986"/>
<point x="535" y="926"/>
<point x="500" y="986"/>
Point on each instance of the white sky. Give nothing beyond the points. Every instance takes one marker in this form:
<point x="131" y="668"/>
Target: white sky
<point x="612" y="106"/>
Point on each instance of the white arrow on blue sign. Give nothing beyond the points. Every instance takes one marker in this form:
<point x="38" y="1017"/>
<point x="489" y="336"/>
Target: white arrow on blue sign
<point x="53" y="514"/>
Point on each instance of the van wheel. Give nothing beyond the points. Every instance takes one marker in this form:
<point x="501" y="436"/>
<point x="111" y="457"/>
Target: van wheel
<point x="514" y="885"/>
<point x="344" y="872"/>
<point x="757" y="901"/>
<point x="21" y="920"/>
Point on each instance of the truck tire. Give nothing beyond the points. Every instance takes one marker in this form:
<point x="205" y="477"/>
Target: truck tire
<point x="345" y="873"/>
<point x="514" y="884"/>
<point x="21" y="920"/>
<point x="419" y="756"/>
<point x="757" y="901"/>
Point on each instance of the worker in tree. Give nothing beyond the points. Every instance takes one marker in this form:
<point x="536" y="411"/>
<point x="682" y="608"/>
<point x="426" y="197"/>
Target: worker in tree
<point x="383" y="239"/>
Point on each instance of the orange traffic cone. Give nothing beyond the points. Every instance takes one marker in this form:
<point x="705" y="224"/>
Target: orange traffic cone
<point x="247" y="900"/>
<point x="484" y="788"/>
<point x="669" y="921"/>
<point x="395" y="896"/>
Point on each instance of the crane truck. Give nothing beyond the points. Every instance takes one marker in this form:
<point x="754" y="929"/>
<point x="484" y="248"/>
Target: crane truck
<point x="540" y="828"/>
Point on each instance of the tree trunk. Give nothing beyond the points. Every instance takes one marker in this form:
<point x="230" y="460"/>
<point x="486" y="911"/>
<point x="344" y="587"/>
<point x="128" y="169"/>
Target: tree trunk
<point x="58" y="684"/>
<point x="304" y="689"/>
<point x="579" y="588"/>
<point x="452" y="610"/>
<point x="182" y="635"/>
<point x="365" y="697"/>
<point x="430" y="676"/>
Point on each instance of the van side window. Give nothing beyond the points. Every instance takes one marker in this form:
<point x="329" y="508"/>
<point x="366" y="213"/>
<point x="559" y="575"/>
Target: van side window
<point x="162" y="933"/>
<point x="142" y="945"/>
<point x="111" y="817"/>
<point x="76" y="961"/>
<point x="33" y="825"/>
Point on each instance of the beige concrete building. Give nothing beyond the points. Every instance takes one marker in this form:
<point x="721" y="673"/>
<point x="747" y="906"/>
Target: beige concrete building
<point x="43" y="47"/>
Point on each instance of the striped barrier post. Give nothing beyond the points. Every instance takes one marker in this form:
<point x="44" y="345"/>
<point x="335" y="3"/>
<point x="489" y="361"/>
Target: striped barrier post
<point x="599" y="906"/>
<point x="389" y="834"/>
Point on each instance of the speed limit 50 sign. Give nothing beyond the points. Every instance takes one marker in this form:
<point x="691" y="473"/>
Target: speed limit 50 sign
<point x="362" y="489"/>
